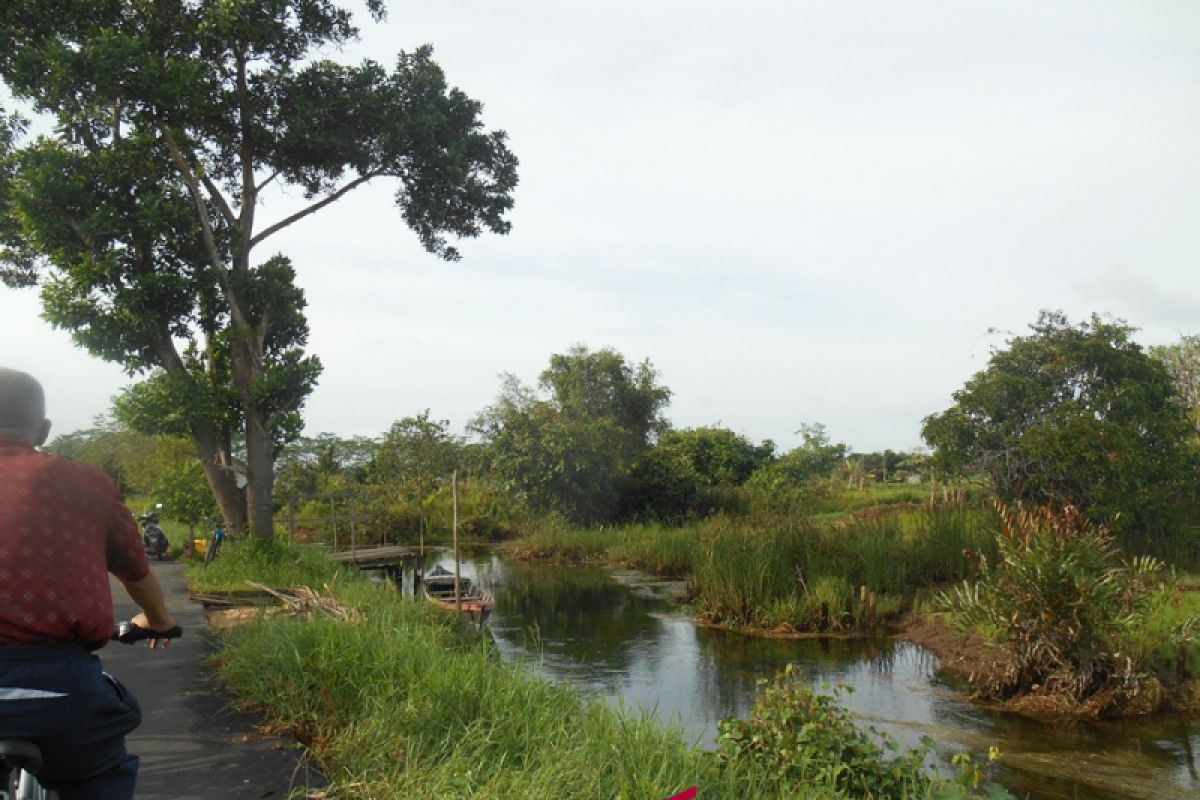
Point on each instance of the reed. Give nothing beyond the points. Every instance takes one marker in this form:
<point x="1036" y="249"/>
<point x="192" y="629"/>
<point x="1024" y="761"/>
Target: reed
<point x="669" y="552"/>
<point x="768" y="569"/>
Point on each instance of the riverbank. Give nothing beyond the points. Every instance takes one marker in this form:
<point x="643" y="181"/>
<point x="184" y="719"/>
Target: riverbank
<point x="406" y="701"/>
<point x="880" y="573"/>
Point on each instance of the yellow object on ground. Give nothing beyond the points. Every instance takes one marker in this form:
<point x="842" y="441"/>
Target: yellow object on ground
<point x="200" y="545"/>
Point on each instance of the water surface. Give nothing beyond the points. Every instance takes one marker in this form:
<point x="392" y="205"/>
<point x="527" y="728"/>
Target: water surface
<point x="581" y="626"/>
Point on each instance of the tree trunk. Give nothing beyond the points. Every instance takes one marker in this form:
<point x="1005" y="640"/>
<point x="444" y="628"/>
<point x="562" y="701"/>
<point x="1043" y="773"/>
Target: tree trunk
<point x="229" y="498"/>
<point x="260" y="473"/>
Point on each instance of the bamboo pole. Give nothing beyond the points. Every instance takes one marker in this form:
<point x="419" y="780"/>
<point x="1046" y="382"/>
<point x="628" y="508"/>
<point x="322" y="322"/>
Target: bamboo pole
<point x="292" y="519"/>
<point x="333" y="517"/>
<point x="457" y="563"/>
<point x="419" y="561"/>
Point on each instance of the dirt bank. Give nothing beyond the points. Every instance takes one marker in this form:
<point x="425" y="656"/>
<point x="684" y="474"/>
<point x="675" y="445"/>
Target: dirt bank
<point x="965" y="655"/>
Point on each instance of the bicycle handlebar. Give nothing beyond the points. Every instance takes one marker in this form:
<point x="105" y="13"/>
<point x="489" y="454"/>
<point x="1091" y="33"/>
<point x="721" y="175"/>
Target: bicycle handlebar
<point x="128" y="633"/>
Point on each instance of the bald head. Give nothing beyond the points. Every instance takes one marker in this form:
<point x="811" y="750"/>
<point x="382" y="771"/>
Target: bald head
<point x="22" y="408"/>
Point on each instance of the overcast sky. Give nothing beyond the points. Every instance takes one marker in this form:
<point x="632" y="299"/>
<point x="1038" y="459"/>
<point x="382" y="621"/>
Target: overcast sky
<point x="798" y="211"/>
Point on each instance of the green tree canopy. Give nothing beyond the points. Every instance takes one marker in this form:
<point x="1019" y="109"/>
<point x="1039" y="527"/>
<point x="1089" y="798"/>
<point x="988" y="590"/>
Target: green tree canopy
<point x="1182" y="361"/>
<point x="323" y="463"/>
<point x="1073" y="414"/>
<point x="140" y="215"/>
<point x="815" y="457"/>
<point x="718" y="455"/>
<point x="571" y="451"/>
<point x="417" y="454"/>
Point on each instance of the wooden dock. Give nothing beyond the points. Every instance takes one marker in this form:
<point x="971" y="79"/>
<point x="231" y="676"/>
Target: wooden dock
<point x="377" y="556"/>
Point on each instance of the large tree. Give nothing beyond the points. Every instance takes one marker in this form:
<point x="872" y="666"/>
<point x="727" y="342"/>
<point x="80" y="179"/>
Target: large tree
<point x="140" y="214"/>
<point x="417" y="455"/>
<point x="570" y="449"/>
<point x="1074" y="414"/>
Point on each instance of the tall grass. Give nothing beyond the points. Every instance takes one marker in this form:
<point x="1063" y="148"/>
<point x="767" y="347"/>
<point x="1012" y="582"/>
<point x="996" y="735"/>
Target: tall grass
<point x="665" y="551"/>
<point x="262" y="561"/>
<point x="767" y="569"/>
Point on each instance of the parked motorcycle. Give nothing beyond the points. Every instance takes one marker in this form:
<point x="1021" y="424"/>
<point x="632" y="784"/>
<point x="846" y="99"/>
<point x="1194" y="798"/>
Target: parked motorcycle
<point x="153" y="538"/>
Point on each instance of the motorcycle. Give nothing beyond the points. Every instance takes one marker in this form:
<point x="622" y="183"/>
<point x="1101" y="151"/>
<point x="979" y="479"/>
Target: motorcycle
<point x="154" y="540"/>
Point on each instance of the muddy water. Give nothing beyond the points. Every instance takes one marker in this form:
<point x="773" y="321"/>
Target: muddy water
<point x="621" y="639"/>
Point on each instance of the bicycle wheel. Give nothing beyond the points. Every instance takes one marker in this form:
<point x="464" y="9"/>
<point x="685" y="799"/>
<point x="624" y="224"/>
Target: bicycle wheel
<point x="211" y="552"/>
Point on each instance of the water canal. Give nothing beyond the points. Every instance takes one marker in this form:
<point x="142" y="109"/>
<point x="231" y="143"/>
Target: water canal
<point x="621" y="642"/>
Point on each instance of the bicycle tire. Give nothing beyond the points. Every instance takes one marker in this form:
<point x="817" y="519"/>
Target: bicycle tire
<point x="210" y="553"/>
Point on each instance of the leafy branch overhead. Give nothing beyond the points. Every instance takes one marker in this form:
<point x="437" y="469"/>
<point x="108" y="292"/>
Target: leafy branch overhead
<point x="139" y="216"/>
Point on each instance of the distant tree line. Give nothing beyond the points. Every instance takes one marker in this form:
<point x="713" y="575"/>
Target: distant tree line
<point x="1071" y="414"/>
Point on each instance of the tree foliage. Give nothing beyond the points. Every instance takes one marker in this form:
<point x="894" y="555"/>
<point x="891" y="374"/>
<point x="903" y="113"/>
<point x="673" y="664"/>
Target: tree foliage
<point x="573" y="449"/>
<point x="323" y="463"/>
<point x="1073" y="414"/>
<point x="417" y="454"/>
<point x="677" y="477"/>
<point x="139" y="216"/>
<point x="1182" y="361"/>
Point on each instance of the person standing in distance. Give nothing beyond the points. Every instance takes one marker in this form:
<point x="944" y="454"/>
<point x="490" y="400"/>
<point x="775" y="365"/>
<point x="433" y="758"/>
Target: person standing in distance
<point x="63" y="528"/>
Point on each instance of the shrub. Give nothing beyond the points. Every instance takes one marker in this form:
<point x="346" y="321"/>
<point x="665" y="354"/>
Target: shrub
<point x="799" y="737"/>
<point x="1063" y="605"/>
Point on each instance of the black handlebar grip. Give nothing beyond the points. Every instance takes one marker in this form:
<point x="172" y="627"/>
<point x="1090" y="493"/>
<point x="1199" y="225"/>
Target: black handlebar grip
<point x="128" y="633"/>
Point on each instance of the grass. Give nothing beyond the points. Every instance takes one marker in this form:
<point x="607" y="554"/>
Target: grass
<point x="262" y="561"/>
<point x="410" y="703"/>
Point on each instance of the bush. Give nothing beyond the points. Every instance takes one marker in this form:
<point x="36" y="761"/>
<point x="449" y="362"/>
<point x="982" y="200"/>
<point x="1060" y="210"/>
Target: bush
<point x="798" y="737"/>
<point x="1063" y="605"/>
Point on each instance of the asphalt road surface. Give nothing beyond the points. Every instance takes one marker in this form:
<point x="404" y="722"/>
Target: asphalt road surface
<point x="192" y="744"/>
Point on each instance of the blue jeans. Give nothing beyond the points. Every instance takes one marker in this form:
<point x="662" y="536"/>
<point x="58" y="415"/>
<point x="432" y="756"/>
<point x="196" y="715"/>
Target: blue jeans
<point x="58" y="697"/>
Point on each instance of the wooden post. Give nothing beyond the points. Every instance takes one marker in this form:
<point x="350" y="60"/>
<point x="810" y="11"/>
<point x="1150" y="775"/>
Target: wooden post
<point x="333" y="519"/>
<point x="419" y="568"/>
<point x="353" y="531"/>
<point x="457" y="576"/>
<point x="292" y="519"/>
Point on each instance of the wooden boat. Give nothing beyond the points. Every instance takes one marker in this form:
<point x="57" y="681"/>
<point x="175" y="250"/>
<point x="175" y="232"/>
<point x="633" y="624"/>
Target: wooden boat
<point x="438" y="586"/>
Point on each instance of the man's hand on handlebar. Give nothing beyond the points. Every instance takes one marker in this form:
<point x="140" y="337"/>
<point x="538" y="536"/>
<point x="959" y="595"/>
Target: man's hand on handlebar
<point x="168" y="627"/>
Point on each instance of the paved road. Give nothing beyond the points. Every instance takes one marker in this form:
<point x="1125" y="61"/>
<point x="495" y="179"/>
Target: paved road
<point x="191" y="743"/>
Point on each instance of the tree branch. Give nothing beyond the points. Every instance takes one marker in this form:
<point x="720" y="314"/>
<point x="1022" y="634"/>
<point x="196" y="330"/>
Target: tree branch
<point x="267" y="180"/>
<point x="210" y="240"/>
<point x="83" y="235"/>
<point x="299" y="215"/>
<point x="219" y="199"/>
<point x="246" y="148"/>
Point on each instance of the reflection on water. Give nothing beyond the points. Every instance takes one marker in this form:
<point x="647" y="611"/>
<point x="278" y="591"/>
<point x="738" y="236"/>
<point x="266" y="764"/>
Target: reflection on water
<point x="580" y="626"/>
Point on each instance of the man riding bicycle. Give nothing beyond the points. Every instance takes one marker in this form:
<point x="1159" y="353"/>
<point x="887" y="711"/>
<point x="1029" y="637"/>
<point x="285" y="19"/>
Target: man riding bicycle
<point x="63" y="528"/>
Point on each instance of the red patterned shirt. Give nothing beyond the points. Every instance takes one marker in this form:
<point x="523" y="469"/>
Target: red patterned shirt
<point x="63" y="528"/>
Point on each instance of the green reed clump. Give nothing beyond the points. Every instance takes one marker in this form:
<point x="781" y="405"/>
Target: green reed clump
<point x="555" y="540"/>
<point x="952" y="539"/>
<point x="830" y="576"/>
<point x="655" y="548"/>
<point x="768" y="569"/>
<point x="740" y="568"/>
